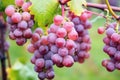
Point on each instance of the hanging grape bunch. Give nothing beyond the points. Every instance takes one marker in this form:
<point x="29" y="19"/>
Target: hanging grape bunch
<point x="20" y="21"/>
<point x="112" y="46"/>
<point x="63" y="46"/>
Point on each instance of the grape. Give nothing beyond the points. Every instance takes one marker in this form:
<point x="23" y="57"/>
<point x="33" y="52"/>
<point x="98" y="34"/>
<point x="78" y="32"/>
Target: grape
<point x="68" y="26"/>
<point x="10" y="10"/>
<point x="31" y="48"/>
<point x="50" y="75"/>
<point x="81" y="54"/>
<point x="12" y="36"/>
<point x="40" y="62"/>
<point x="27" y="33"/>
<point x="76" y="21"/>
<point x="61" y="32"/>
<point x="79" y="28"/>
<point x="73" y="35"/>
<point x="37" y="69"/>
<point x="58" y="19"/>
<point x="117" y="56"/>
<point x="110" y="66"/>
<point x="19" y="2"/>
<point x="25" y="6"/>
<point x="37" y="54"/>
<point x="33" y="59"/>
<point x="84" y="17"/>
<point x="30" y="23"/>
<point x="57" y="58"/>
<point x="115" y="37"/>
<point x="17" y="33"/>
<point x="101" y="30"/>
<point x="88" y="24"/>
<point x="117" y="65"/>
<point x="26" y="16"/>
<point x="42" y="75"/>
<point x="20" y="41"/>
<point x="22" y="25"/>
<point x="70" y="44"/>
<point x="39" y="31"/>
<point x="35" y="37"/>
<point x="44" y="40"/>
<point x="48" y="64"/>
<point x="16" y="17"/>
<point x="68" y="61"/>
<point x="54" y="49"/>
<point x="43" y="49"/>
<point x="8" y="19"/>
<point x="63" y="52"/>
<point x="53" y="28"/>
<point x="52" y="37"/>
<point x="60" y="42"/>
<point x="48" y="55"/>
<point x="110" y="31"/>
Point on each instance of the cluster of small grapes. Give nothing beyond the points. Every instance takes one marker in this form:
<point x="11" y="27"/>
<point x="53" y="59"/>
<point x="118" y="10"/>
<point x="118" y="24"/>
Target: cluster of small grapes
<point x="82" y="24"/>
<point x="42" y="55"/>
<point x="63" y="46"/>
<point x="112" y="47"/>
<point x="20" y="21"/>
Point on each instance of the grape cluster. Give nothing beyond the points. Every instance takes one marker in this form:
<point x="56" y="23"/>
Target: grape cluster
<point x="82" y="25"/>
<point x="63" y="46"/>
<point x="20" y="21"/>
<point x="111" y="48"/>
<point x="42" y="55"/>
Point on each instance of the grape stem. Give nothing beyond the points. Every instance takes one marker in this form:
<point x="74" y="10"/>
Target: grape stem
<point x="8" y="58"/>
<point x="102" y="6"/>
<point x="95" y="13"/>
<point x="110" y="10"/>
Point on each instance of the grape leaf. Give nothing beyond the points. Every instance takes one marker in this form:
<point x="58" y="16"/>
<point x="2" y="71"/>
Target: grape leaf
<point x="5" y="3"/>
<point x="21" y="71"/>
<point x="76" y="6"/>
<point x="44" y="11"/>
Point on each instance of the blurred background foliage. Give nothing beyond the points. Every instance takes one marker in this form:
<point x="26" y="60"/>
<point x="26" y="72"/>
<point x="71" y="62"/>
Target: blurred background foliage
<point x="92" y="69"/>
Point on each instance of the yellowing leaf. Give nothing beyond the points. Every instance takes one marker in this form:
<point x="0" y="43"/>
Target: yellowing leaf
<point x="76" y="6"/>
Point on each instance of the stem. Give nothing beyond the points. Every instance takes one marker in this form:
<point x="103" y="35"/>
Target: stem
<point x="110" y="9"/>
<point x="102" y="6"/>
<point x="95" y="13"/>
<point x="8" y="57"/>
<point x="2" y="50"/>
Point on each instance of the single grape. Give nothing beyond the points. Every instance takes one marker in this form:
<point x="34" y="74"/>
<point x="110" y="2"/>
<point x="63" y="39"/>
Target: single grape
<point x="16" y="17"/>
<point x="68" y="61"/>
<point x="10" y="10"/>
<point x="26" y="16"/>
<point x="19" y="2"/>
<point x="58" y="19"/>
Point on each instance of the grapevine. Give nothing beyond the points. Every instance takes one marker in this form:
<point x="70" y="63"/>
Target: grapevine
<point x="57" y="34"/>
<point x="20" y="21"/>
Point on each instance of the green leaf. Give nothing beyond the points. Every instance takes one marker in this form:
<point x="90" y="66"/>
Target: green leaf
<point x="44" y="11"/>
<point x="76" y="6"/>
<point x="21" y="71"/>
<point x="5" y="3"/>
